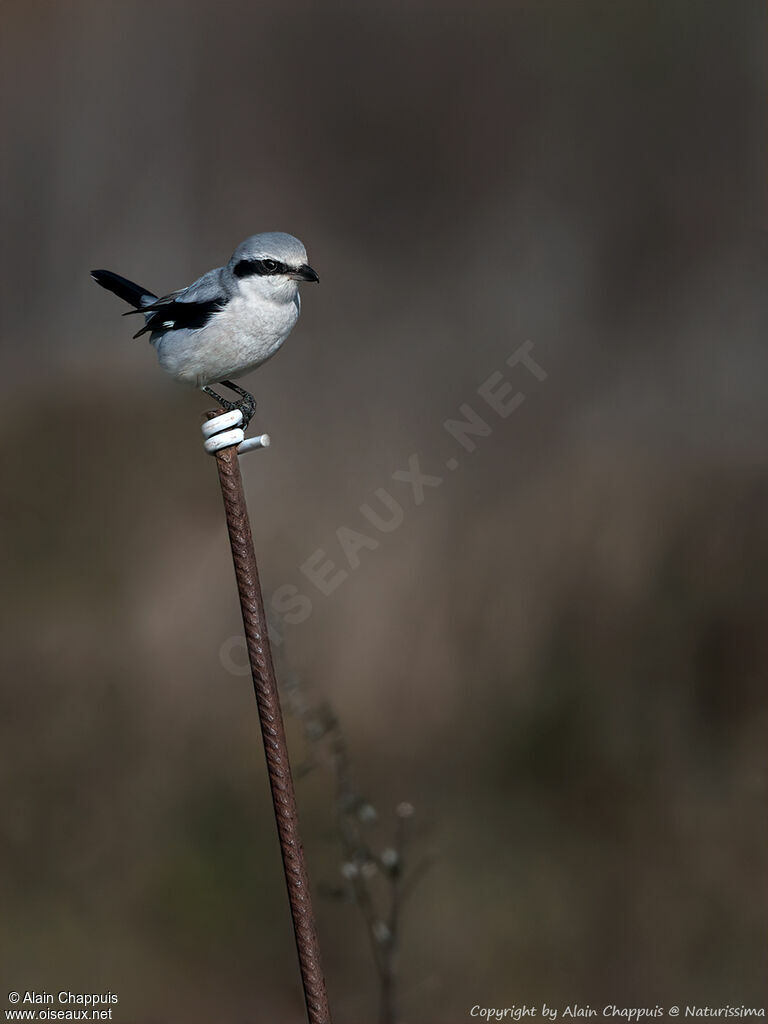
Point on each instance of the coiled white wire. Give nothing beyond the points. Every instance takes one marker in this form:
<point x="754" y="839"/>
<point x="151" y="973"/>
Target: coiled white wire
<point x="224" y="431"/>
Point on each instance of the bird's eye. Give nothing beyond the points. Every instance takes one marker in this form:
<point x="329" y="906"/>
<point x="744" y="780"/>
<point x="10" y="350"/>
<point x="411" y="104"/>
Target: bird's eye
<point x="270" y="265"/>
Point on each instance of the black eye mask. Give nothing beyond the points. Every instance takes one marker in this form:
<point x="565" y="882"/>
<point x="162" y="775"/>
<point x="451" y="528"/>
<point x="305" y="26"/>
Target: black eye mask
<point x="264" y="268"/>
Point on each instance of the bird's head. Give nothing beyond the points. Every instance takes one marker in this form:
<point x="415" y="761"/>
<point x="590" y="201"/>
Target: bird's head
<point x="272" y="263"/>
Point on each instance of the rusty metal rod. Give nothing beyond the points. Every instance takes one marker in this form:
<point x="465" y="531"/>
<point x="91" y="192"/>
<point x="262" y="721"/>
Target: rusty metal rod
<point x="273" y="733"/>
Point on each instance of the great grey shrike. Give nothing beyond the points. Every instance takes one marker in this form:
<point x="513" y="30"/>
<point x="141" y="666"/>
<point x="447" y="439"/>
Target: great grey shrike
<point x="230" y="320"/>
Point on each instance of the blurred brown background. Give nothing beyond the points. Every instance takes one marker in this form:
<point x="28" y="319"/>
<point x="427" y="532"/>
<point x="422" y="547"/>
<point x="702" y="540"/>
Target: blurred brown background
<point x="559" y="657"/>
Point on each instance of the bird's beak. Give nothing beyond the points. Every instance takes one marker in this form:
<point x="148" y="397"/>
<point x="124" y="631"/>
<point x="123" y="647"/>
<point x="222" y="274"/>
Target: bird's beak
<point x="304" y="273"/>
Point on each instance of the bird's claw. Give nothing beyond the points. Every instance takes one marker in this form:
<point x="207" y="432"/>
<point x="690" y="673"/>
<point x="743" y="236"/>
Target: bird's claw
<point x="247" y="406"/>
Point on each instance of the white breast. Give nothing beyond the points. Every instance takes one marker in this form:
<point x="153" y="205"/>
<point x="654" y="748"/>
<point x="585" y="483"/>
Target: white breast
<point x="238" y="339"/>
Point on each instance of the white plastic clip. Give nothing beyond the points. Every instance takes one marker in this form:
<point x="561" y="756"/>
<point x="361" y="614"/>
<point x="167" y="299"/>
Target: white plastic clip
<point x="224" y="431"/>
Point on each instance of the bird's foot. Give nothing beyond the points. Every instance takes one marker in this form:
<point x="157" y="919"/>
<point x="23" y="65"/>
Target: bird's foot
<point x="246" y="405"/>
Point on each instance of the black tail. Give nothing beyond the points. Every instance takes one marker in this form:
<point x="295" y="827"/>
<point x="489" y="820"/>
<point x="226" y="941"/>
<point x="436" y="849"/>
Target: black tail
<point x="125" y="289"/>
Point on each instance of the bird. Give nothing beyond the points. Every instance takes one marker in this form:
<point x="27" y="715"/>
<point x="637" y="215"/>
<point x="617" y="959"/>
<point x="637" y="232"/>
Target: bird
<point x="227" y="322"/>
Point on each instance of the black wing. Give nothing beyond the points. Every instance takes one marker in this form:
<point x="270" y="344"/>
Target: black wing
<point x="169" y="315"/>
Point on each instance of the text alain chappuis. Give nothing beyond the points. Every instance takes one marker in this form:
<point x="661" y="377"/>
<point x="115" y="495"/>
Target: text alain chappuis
<point x="64" y="1005"/>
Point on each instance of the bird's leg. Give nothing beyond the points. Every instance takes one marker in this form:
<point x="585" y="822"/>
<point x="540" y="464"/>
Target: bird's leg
<point x="246" y="405"/>
<point x="225" y="405"/>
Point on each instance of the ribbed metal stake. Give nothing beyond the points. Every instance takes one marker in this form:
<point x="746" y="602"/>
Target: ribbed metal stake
<point x="273" y="732"/>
